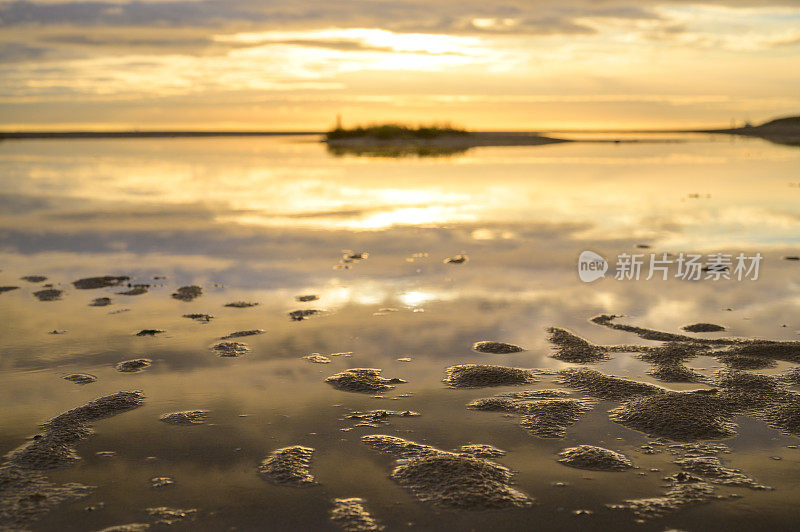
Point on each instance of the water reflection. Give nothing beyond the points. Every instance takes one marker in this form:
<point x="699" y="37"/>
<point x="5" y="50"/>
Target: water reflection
<point x="394" y="151"/>
<point x="266" y="220"/>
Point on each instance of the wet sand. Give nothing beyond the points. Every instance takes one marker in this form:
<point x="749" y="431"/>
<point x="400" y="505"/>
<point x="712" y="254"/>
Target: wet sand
<point x="497" y="393"/>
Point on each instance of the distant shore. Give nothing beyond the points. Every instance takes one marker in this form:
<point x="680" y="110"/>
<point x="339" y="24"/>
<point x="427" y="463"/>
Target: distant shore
<point x="782" y="131"/>
<point x="144" y="134"/>
<point x="448" y="142"/>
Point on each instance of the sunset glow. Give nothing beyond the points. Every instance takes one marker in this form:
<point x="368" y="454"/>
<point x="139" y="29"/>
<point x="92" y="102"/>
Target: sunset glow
<point x="123" y="65"/>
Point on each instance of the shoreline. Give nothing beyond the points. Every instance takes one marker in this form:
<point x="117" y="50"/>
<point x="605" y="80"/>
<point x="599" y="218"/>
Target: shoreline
<point x="445" y="142"/>
<point x="38" y="135"/>
<point x="475" y="139"/>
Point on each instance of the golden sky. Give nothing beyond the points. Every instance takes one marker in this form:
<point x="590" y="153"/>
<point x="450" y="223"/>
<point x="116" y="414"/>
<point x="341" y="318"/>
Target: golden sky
<point x="511" y="64"/>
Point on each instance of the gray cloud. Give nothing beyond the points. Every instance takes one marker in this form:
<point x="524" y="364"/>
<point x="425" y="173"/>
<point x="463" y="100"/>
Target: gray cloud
<point x="11" y="52"/>
<point x="122" y="41"/>
<point x="74" y="29"/>
<point x="408" y="15"/>
<point x="187" y="27"/>
<point x="534" y="16"/>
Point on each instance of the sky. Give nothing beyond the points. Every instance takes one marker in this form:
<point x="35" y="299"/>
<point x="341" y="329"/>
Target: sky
<point x="503" y="65"/>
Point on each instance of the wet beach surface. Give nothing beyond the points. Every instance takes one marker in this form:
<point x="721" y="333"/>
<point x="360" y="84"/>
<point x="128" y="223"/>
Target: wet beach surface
<point x="260" y="225"/>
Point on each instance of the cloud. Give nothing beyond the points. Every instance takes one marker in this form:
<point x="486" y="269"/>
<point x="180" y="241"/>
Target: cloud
<point x="410" y="15"/>
<point x="11" y="52"/>
<point x="343" y="45"/>
<point x="57" y="52"/>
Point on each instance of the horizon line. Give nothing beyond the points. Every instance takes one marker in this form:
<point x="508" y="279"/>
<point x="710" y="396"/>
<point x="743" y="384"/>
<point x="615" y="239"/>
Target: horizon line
<point x="156" y="133"/>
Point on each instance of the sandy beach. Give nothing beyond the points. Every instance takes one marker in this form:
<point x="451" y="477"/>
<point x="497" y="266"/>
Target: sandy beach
<point x="377" y="358"/>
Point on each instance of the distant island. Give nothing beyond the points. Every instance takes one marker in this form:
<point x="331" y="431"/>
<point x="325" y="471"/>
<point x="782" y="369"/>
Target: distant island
<point x="394" y="140"/>
<point x="398" y="139"/>
<point x="780" y="130"/>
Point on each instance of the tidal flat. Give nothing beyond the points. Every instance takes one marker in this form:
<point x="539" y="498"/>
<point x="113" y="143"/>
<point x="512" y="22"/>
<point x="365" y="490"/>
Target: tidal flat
<point x="337" y="371"/>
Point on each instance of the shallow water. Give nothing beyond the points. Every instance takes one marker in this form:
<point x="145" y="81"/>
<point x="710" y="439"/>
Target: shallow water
<point x="266" y="220"/>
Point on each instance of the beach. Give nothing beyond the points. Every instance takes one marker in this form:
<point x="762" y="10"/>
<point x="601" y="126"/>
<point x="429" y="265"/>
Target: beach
<point x="228" y="287"/>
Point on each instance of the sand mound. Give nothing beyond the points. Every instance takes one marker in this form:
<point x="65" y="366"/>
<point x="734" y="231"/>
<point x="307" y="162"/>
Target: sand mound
<point x="351" y="516"/>
<point x="749" y="391"/>
<point x="481" y="450"/>
<point x="26" y="495"/>
<point x="481" y="375"/>
<point x="607" y="320"/>
<point x="457" y="259"/>
<point x="397" y="446"/>
<point x="289" y="466"/>
<point x="675" y="373"/>
<point x="135" y="290"/>
<point x="671" y="353"/>
<point x="667" y="361"/>
<point x="791" y="376"/>
<point x="373" y="418"/>
<point x="132" y="366"/>
<point x="742" y="362"/>
<point x="230" y="349"/>
<point x="459" y="481"/>
<point x="104" y="407"/>
<point x="703" y="328"/>
<point x="574" y="349"/>
<point x="53" y="448"/>
<point x="202" y="318"/>
<point x="545" y="413"/>
<point x="527" y="395"/>
<point x="692" y="450"/>
<point x="161" y="482"/>
<point x="454" y="480"/>
<point x="679" y="416"/>
<point x="90" y="283"/>
<point x="188" y="417"/>
<point x="350" y="256"/>
<point x="239" y="334"/>
<point x="165" y="515"/>
<point x="494" y="404"/>
<point x="604" y="386"/>
<point x="499" y="348"/>
<point x="712" y="469"/>
<point x="784" y="415"/>
<point x="363" y="380"/>
<point x="594" y="458"/>
<point x="788" y="351"/>
<point x="550" y="418"/>
<point x="149" y="332"/>
<point x="81" y="378"/>
<point x="49" y="294"/>
<point x="300" y="315"/>
<point x="675" y="497"/>
<point x="187" y="293"/>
